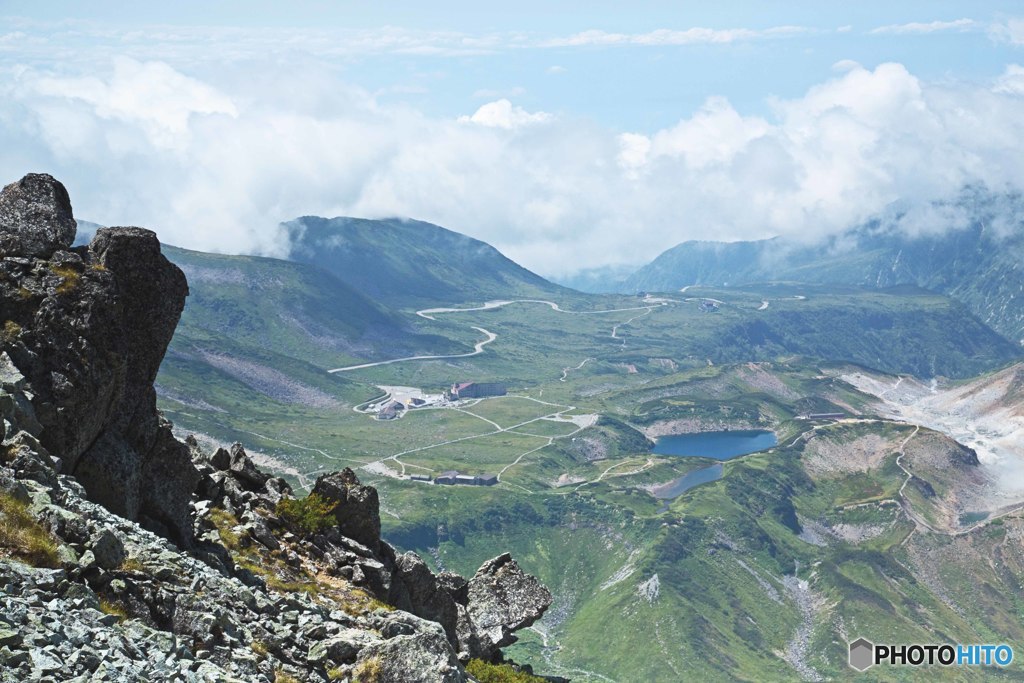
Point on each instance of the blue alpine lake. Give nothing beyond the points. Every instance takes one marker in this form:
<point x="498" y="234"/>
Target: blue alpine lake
<point x="715" y="445"/>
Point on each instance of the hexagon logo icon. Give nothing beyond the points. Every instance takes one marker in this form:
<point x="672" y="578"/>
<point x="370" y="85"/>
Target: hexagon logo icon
<point x="862" y="654"/>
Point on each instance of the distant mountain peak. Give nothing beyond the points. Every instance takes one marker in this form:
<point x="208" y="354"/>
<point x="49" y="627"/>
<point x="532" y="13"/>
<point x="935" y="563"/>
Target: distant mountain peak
<point x="403" y="261"/>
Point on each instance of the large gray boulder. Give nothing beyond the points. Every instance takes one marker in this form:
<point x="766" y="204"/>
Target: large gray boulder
<point x="357" y="507"/>
<point x="35" y="217"/>
<point x="502" y="598"/>
<point x="422" y="657"/>
<point x="244" y="469"/>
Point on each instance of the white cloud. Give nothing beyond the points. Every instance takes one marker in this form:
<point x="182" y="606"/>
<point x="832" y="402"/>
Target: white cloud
<point x="1011" y="81"/>
<point x="844" y="65"/>
<point x="502" y="114"/>
<point x="555" y="69"/>
<point x="711" y="137"/>
<point x="198" y="45"/>
<point x="634" y="149"/>
<point x="929" y="27"/>
<point x="217" y="167"/>
<point x="1011" y="31"/>
<point x="403" y="89"/>
<point x="151" y="95"/>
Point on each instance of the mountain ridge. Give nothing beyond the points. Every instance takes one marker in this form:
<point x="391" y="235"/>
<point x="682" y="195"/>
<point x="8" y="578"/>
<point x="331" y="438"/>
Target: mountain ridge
<point x="407" y="262"/>
<point x="976" y="260"/>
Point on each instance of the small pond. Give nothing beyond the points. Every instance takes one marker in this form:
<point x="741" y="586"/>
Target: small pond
<point x="715" y="445"/>
<point x="686" y="482"/>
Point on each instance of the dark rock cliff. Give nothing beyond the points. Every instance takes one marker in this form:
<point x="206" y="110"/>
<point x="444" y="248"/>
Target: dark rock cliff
<point x="245" y="592"/>
<point x="88" y="327"/>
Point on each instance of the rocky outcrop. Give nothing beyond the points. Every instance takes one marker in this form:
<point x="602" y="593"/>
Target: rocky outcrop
<point x="477" y="617"/>
<point x="357" y="508"/>
<point x="245" y="592"/>
<point x="125" y="604"/>
<point x="500" y="599"/>
<point x="229" y="479"/>
<point x="480" y="615"/>
<point x="88" y="328"/>
<point x="416" y="589"/>
<point x="964" y="456"/>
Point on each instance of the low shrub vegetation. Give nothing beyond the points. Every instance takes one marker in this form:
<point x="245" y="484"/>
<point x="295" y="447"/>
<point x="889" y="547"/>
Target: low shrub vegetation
<point x="486" y="672"/>
<point x="10" y="332"/>
<point x="310" y="514"/>
<point x="113" y="607"/>
<point x="259" y="648"/>
<point x="22" y="537"/>
<point x="368" y="671"/>
<point x="69" y="278"/>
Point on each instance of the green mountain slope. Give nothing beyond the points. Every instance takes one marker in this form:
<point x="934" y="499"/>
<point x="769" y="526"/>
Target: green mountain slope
<point x="976" y="260"/>
<point x="411" y="263"/>
<point x="289" y="307"/>
<point x="276" y="327"/>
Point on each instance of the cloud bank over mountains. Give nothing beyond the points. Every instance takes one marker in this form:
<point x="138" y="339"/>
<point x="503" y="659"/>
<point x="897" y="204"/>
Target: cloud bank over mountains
<point x="217" y="165"/>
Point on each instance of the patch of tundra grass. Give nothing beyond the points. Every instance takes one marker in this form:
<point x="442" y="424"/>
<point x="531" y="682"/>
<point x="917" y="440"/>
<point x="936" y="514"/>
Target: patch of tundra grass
<point x="512" y="410"/>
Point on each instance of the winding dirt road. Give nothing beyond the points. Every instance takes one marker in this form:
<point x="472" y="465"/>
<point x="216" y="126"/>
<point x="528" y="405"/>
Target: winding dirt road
<point x="478" y="349"/>
<point x="428" y="313"/>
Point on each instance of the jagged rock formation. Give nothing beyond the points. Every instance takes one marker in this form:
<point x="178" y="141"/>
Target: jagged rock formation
<point x="88" y="328"/>
<point x="477" y="617"/>
<point x="500" y="599"/>
<point x="357" y="509"/>
<point x="229" y="588"/>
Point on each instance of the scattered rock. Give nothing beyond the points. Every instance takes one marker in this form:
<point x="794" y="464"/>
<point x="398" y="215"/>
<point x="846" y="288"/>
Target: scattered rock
<point x="108" y="549"/>
<point x="243" y="468"/>
<point x="420" y="658"/>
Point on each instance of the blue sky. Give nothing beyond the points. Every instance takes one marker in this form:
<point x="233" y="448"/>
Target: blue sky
<point x="583" y="127"/>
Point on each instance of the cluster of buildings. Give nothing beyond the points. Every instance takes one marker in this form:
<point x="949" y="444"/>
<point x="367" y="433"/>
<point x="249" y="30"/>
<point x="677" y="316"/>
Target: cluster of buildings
<point x="459" y="390"/>
<point x="453" y="478"/>
<point x="390" y="410"/>
<point x="393" y="409"/>
<point x="475" y="390"/>
<point x="822" y="416"/>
